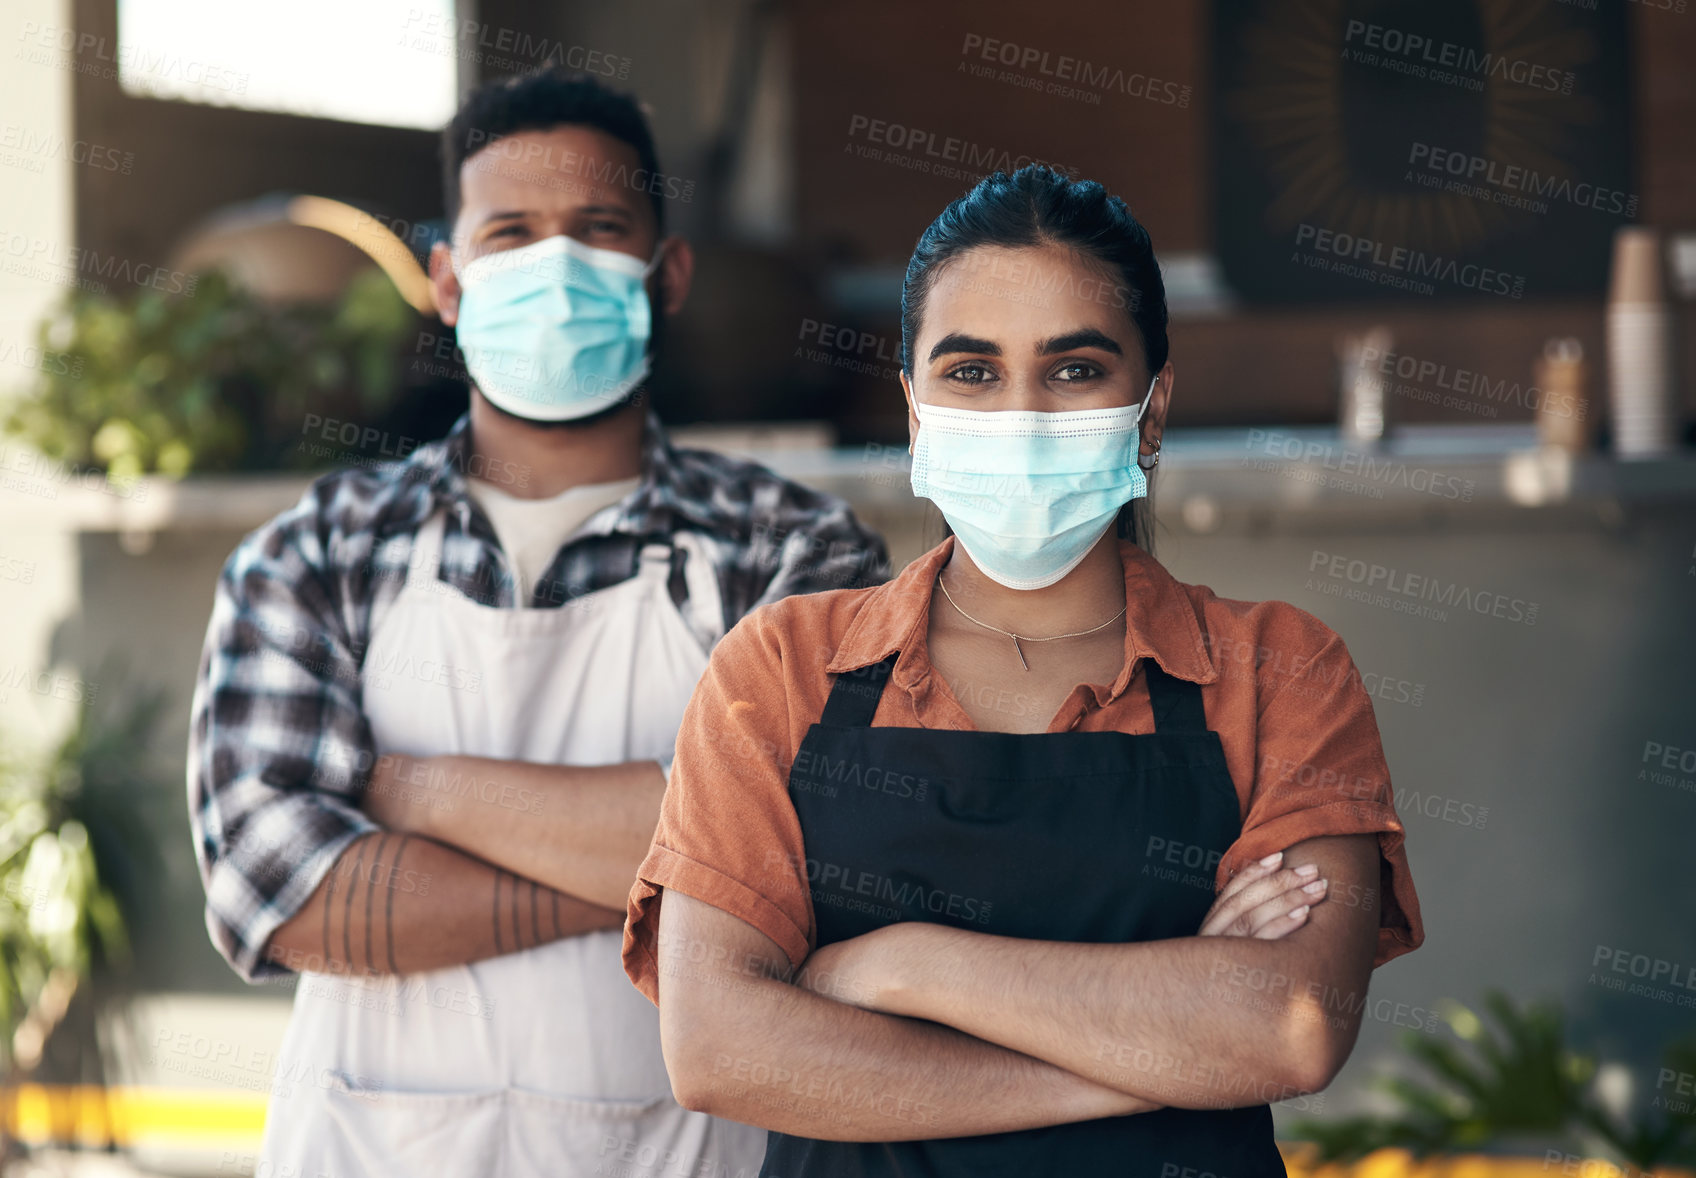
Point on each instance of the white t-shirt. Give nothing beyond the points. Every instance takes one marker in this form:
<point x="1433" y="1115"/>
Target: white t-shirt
<point x="531" y="531"/>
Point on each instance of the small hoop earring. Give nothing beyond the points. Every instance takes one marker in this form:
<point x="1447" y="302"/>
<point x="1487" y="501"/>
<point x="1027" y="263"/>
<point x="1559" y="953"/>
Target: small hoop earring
<point x="1149" y="461"/>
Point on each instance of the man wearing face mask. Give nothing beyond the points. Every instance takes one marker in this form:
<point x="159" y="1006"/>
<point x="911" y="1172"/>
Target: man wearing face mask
<point x="438" y="698"/>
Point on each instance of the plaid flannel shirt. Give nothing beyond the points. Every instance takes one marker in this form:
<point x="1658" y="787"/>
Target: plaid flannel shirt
<point x="279" y="747"/>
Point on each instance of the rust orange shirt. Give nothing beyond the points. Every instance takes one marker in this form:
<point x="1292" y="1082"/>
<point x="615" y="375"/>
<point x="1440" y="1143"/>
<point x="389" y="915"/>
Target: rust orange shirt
<point x="1277" y="685"/>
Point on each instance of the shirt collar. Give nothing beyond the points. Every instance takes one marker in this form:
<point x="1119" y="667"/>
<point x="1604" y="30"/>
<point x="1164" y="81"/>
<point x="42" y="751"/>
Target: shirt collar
<point x="652" y="508"/>
<point x="1160" y="621"/>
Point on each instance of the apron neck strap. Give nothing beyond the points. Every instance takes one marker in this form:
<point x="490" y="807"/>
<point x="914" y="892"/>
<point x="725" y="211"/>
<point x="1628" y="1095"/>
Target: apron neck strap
<point x="1176" y="702"/>
<point x="854" y="695"/>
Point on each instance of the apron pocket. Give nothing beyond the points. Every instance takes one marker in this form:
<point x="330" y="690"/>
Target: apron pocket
<point x="382" y="1133"/>
<point x="607" y="1137"/>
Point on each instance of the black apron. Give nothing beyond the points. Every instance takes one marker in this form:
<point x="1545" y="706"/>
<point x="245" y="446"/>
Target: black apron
<point x="1070" y="836"/>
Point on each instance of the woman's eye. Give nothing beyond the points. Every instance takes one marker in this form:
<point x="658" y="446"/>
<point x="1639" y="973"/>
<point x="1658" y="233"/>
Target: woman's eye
<point x="970" y="374"/>
<point x="1077" y="370"/>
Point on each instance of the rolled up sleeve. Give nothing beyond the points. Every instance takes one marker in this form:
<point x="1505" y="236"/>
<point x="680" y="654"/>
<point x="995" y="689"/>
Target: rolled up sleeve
<point x="1320" y="770"/>
<point x="728" y="834"/>
<point x="279" y="748"/>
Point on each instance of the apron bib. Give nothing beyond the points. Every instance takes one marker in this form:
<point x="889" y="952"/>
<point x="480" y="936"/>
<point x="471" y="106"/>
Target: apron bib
<point x="544" y="1061"/>
<point x="1055" y="836"/>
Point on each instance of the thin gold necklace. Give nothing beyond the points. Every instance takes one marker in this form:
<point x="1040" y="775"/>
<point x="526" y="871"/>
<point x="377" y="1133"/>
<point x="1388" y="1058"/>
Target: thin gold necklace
<point x="1018" y="638"/>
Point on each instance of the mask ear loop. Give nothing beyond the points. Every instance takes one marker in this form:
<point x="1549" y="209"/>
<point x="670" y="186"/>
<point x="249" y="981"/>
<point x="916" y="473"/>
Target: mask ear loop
<point x="1148" y="462"/>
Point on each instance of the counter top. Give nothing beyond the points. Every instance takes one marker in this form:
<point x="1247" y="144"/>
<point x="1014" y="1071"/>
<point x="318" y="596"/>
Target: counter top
<point x="1209" y="480"/>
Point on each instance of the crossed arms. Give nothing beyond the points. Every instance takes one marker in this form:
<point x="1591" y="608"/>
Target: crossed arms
<point x="477" y="857"/>
<point x="924" y="1031"/>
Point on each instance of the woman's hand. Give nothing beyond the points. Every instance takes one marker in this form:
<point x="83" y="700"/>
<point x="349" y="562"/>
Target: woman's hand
<point x="1265" y="902"/>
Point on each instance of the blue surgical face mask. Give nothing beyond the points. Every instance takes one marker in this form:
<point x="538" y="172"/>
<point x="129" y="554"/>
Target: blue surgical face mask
<point x="556" y="329"/>
<point x="1028" y="494"/>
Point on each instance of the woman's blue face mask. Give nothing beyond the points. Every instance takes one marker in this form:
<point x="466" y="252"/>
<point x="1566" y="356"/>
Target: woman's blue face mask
<point x="555" y="330"/>
<point x="1028" y="493"/>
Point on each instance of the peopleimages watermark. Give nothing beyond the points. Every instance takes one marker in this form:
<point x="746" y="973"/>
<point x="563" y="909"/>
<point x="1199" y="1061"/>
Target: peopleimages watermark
<point x="1319" y="459"/>
<point x="30" y="472"/>
<point x="49" y="261"/>
<point x="1310" y="999"/>
<point x="16" y="568"/>
<point x="921" y="150"/>
<point x="1671" y="1088"/>
<point x="240" y="1065"/>
<point x="846" y="347"/>
<point x="1405" y="592"/>
<point x="1132" y="1066"/>
<point x="1676" y="6"/>
<point x="1665" y="981"/>
<point x="628" y="1157"/>
<point x="1056" y="73"/>
<point x="531" y="156"/>
<point x="87" y="53"/>
<point x="30" y="151"/>
<point x="1396" y="266"/>
<point x="1668" y="765"/>
<point x="850" y="887"/>
<point x="500" y="48"/>
<point x="1461" y="388"/>
<point x="1425" y="57"/>
<point x="774" y="1085"/>
<point x="1510" y="185"/>
<point x="38" y="359"/>
<point x="46" y="683"/>
<point x="1296" y="676"/>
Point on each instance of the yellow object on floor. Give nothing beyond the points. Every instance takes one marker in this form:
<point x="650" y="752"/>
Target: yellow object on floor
<point x="206" y="1118"/>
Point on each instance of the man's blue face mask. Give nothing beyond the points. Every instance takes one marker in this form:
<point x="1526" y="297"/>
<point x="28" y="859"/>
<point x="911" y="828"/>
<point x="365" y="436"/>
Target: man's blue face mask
<point x="555" y="330"/>
<point x="1027" y="493"/>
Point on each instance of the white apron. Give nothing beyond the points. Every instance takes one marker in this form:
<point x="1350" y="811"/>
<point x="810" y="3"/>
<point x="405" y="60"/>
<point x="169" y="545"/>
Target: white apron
<point x="545" y="1061"/>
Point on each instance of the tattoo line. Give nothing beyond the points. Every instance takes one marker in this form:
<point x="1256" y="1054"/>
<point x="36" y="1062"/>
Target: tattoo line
<point x="347" y="909"/>
<point x="389" y="902"/>
<point x="371" y="891"/>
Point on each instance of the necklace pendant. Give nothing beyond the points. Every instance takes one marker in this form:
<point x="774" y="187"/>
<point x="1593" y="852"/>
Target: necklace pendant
<point x="1019" y="651"/>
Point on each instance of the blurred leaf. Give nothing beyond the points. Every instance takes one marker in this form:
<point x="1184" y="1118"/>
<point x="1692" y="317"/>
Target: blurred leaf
<point x="1504" y="1081"/>
<point x="64" y="832"/>
<point x="157" y="383"/>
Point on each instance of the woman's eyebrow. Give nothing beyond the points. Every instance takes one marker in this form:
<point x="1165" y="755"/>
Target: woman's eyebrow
<point x="955" y="341"/>
<point x="1086" y="337"/>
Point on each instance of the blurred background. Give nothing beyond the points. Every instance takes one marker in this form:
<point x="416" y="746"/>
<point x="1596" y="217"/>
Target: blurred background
<point x="1432" y="274"/>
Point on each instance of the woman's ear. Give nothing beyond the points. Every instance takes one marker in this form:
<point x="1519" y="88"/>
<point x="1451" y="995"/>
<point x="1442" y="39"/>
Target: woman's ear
<point x="1154" y="417"/>
<point x="912" y="413"/>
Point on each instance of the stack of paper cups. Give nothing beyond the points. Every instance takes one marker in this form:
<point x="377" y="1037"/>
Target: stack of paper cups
<point x="1640" y="346"/>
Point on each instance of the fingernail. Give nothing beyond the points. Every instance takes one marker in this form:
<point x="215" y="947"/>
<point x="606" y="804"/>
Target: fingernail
<point x="1308" y="870"/>
<point x="1272" y="859"/>
<point x="1317" y="886"/>
<point x="1298" y="913"/>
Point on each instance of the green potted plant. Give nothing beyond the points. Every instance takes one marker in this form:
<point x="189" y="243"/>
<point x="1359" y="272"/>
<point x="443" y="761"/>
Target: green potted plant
<point x="213" y="380"/>
<point x="1512" y="1088"/>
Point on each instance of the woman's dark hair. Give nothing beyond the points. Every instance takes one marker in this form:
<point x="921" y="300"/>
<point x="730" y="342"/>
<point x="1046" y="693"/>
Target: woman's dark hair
<point x="1038" y="206"/>
<point x="539" y="101"/>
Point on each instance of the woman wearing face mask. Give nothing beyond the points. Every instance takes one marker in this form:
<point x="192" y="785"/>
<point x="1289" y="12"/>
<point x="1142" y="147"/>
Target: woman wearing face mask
<point x="1034" y="860"/>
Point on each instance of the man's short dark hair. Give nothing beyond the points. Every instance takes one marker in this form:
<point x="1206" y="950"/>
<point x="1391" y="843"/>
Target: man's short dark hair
<point x="539" y="101"/>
